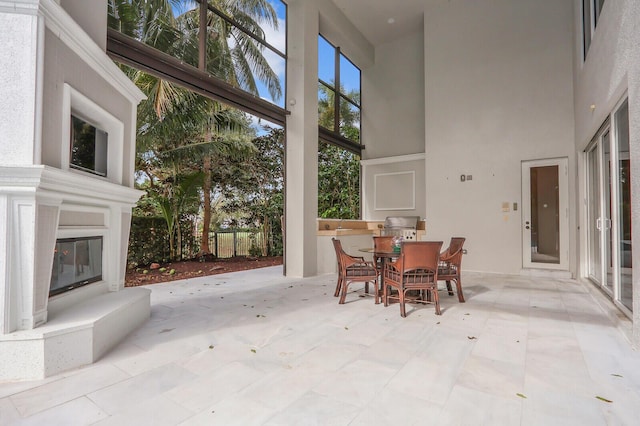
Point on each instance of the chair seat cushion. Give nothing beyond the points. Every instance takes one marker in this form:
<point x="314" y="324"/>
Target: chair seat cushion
<point x="360" y="270"/>
<point x="418" y="276"/>
<point x="447" y="270"/>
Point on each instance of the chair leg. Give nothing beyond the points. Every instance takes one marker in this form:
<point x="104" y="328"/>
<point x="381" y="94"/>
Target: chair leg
<point x="377" y="292"/>
<point x="403" y="311"/>
<point x="449" y="289"/>
<point x="343" y="295"/>
<point x="338" y="287"/>
<point x="366" y="287"/>
<point x="459" y="287"/>
<point x="436" y="300"/>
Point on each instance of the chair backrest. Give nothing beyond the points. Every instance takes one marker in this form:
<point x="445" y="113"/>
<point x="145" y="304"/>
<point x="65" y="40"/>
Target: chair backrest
<point x="421" y="255"/>
<point x="383" y="243"/>
<point x="454" y="252"/>
<point x="337" y="245"/>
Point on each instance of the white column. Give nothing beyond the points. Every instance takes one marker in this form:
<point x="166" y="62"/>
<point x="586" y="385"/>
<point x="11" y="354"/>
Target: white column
<point x="302" y="139"/>
<point x="20" y="86"/>
<point x="116" y="245"/>
<point x="29" y="225"/>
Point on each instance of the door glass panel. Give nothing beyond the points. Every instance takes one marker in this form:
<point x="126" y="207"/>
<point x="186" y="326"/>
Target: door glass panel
<point x="624" y="205"/>
<point x="594" y="219"/>
<point x="545" y="217"/>
<point x="606" y="221"/>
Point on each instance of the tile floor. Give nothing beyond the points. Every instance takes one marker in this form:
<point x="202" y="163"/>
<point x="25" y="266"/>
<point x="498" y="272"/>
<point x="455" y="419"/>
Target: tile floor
<point x="256" y="348"/>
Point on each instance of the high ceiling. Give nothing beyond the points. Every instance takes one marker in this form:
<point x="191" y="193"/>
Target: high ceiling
<point x="382" y="21"/>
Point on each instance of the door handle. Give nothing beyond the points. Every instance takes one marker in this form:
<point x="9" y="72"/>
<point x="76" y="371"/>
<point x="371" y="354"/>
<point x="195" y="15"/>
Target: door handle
<point x="599" y="224"/>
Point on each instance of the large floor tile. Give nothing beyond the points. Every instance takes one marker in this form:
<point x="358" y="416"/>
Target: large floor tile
<point x="256" y="348"/>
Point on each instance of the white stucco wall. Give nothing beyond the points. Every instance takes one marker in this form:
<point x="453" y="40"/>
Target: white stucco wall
<point x="393" y="128"/>
<point x="498" y="91"/>
<point x="18" y="88"/>
<point x="611" y="70"/>
<point x="65" y="66"/>
<point x="91" y="15"/>
<point x="393" y="99"/>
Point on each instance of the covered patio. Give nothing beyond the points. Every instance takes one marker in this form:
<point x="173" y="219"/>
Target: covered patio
<point x="255" y="347"/>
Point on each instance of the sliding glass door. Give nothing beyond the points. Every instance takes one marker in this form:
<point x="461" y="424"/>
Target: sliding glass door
<point x="609" y="208"/>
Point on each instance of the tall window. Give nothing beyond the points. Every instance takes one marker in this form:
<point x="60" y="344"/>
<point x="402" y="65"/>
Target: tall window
<point x="339" y="132"/>
<point x="338" y="97"/>
<point x="591" y="10"/>
<point x="210" y="47"/>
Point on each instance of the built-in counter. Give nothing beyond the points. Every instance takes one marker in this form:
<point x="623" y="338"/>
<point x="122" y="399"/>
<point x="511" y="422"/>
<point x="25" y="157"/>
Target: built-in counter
<point x="354" y="235"/>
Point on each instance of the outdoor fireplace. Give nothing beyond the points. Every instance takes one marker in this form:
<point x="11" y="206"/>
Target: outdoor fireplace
<point x="66" y="191"/>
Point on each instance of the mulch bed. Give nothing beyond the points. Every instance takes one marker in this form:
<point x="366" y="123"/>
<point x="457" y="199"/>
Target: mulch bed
<point x="193" y="268"/>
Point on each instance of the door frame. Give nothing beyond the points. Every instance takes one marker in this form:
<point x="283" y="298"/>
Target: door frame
<point x="563" y="210"/>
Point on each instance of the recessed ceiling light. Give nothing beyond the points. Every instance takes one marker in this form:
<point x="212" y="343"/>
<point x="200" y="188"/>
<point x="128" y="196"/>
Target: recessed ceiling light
<point x="391" y="20"/>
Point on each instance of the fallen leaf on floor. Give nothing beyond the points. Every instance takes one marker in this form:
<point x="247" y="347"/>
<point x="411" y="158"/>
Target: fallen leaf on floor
<point x="438" y="322"/>
<point x="521" y="395"/>
<point x="211" y="346"/>
<point x="166" y="330"/>
<point x="616" y="375"/>
<point x="467" y="313"/>
<point x="346" y="328"/>
<point x="471" y="337"/>
<point x="603" y="399"/>
<point x="253" y="350"/>
<point x="260" y="316"/>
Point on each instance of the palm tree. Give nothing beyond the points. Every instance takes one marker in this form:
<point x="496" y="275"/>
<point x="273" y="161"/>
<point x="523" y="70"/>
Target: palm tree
<point x="175" y="122"/>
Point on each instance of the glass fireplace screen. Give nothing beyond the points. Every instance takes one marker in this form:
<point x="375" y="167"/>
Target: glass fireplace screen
<point x="76" y="262"/>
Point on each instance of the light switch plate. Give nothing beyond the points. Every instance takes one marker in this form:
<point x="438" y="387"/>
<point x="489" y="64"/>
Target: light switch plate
<point x="505" y="207"/>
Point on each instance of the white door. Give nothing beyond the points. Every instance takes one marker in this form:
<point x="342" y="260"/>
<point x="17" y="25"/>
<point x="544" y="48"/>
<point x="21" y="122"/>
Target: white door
<point x="545" y="214"/>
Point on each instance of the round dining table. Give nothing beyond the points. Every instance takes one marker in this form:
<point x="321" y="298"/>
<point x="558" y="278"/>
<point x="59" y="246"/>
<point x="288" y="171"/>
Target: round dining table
<point x="385" y="256"/>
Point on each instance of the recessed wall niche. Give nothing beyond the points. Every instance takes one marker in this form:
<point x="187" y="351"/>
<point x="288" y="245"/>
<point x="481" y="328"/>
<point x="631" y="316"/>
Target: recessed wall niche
<point x="109" y="140"/>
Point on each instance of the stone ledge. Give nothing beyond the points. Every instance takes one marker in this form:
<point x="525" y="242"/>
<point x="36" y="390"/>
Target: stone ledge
<point x="77" y="336"/>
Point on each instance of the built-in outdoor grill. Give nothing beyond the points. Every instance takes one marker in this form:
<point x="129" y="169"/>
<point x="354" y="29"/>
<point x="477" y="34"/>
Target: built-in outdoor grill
<point x="401" y="226"/>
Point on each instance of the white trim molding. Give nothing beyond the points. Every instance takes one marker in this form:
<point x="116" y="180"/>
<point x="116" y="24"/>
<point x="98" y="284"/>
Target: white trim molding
<point x="391" y="160"/>
<point x="408" y="188"/>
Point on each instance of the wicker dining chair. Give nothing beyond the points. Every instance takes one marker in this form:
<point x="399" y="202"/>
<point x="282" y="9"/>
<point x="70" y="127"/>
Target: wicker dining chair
<point x="449" y="266"/>
<point x="352" y="269"/>
<point x="415" y="269"/>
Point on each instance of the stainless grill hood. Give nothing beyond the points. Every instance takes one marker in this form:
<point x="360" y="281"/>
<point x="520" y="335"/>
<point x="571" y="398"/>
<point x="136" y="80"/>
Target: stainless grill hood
<point x="401" y="226"/>
<point x="401" y="222"/>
